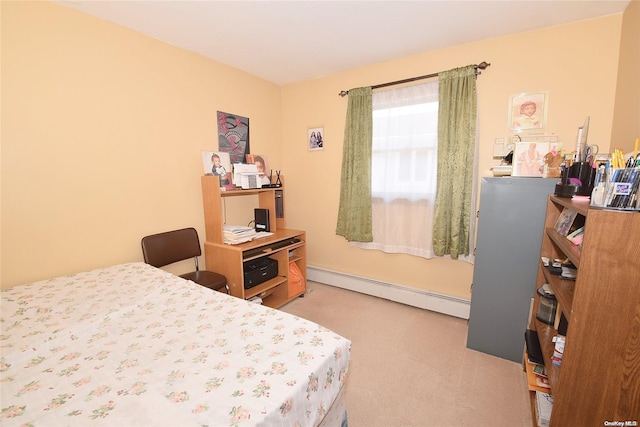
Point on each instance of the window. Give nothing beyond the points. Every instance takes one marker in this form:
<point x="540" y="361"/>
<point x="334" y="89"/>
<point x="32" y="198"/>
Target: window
<point x="404" y="169"/>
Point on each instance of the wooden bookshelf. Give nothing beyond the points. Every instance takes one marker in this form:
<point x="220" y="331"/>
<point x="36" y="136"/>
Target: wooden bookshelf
<point x="598" y="378"/>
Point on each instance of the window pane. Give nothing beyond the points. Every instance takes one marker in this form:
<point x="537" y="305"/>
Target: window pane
<point x="405" y="148"/>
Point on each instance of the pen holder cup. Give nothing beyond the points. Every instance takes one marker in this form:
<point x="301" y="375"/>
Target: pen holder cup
<point x="578" y="179"/>
<point x="617" y="189"/>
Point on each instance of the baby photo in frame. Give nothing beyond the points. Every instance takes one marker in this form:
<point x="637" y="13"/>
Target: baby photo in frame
<point x="218" y="163"/>
<point x="527" y="111"/>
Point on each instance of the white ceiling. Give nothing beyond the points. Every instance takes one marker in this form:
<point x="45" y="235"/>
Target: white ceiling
<point x="290" y="41"/>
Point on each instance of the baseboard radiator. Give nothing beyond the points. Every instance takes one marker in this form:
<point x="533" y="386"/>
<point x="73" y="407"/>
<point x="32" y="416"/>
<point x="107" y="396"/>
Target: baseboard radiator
<point x="445" y="304"/>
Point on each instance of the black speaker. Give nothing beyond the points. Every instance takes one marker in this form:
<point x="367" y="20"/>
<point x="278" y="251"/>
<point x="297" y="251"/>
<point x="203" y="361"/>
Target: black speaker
<point x="261" y="219"/>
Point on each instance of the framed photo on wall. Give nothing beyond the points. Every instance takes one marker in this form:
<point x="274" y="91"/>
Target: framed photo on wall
<point x="315" y="138"/>
<point x="233" y="136"/>
<point x="528" y="111"/>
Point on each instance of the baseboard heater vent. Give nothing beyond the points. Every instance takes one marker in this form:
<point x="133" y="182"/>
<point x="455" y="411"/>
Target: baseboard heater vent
<point x="445" y="304"/>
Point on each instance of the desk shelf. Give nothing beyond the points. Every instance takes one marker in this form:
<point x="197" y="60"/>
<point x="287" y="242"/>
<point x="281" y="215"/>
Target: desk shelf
<point x="284" y="245"/>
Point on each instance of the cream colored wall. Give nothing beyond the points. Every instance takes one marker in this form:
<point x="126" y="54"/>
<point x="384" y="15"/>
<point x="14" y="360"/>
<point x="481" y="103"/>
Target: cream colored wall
<point x="101" y="136"/>
<point x="626" y="126"/>
<point x="576" y="64"/>
<point x="102" y="129"/>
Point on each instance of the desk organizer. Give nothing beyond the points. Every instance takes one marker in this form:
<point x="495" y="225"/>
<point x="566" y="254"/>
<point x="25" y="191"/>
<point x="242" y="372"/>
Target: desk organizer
<point x="617" y="189"/>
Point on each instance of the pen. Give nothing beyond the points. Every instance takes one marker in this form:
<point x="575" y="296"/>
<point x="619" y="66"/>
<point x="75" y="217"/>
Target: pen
<point x="631" y="161"/>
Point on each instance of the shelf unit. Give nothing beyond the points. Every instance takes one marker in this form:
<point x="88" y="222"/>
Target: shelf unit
<point x="284" y="246"/>
<point x="599" y="376"/>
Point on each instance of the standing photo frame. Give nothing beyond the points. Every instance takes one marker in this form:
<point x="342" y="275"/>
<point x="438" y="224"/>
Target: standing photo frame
<point x="528" y="158"/>
<point x="217" y="163"/>
<point x="262" y="165"/>
<point x="528" y="111"/>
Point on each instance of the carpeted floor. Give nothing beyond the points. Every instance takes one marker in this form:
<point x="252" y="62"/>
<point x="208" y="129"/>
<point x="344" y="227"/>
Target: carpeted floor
<point x="410" y="367"/>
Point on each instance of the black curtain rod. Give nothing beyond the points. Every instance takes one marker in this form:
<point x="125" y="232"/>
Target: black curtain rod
<point x="481" y="66"/>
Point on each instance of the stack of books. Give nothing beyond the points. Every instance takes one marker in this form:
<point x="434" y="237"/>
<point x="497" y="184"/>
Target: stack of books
<point x="236" y="234"/>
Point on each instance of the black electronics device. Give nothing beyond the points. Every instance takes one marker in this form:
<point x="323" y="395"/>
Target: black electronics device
<point x="259" y="271"/>
<point x="261" y="217"/>
<point x="279" y="204"/>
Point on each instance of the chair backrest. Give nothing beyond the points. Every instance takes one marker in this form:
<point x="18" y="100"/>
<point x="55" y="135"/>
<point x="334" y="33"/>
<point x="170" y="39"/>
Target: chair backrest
<point x="171" y="246"/>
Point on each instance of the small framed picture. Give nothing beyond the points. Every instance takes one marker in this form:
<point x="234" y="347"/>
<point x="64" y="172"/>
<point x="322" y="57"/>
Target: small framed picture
<point x="528" y="158"/>
<point x="528" y="111"/>
<point x="262" y="164"/>
<point x="315" y="138"/>
<point x="565" y="220"/>
<point x="217" y="163"/>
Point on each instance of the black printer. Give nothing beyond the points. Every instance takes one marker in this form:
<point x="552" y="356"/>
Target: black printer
<point x="259" y="271"/>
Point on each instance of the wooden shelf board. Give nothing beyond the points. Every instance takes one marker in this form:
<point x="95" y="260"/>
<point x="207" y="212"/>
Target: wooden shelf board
<point x="545" y="336"/>
<point x="569" y="249"/>
<point x="531" y="378"/>
<point x="563" y="289"/>
<point x="264" y="287"/>
<point x="582" y="206"/>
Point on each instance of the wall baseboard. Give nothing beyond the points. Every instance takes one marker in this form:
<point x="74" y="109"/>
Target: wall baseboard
<point x="452" y="306"/>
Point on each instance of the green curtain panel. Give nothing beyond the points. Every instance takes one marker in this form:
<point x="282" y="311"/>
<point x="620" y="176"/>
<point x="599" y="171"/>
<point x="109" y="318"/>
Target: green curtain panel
<point x="354" y="213"/>
<point x="456" y="147"/>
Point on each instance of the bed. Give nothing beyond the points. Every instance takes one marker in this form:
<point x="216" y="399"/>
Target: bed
<point x="133" y="345"/>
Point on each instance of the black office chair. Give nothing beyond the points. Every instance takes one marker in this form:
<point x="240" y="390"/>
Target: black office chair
<point x="173" y="246"/>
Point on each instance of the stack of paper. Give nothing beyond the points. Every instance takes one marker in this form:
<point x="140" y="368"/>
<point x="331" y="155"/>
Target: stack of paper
<point x="235" y="234"/>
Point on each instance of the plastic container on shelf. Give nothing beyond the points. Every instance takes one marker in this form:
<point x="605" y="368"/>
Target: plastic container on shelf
<point x="547" y="307"/>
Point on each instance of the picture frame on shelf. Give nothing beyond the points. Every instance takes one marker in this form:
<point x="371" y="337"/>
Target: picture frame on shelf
<point x="528" y="158"/>
<point x="262" y="164"/>
<point x="565" y="221"/>
<point x="218" y="163"/>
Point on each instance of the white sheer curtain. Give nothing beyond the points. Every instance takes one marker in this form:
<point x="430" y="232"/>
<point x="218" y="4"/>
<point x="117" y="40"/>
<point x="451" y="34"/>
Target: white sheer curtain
<point x="403" y="169"/>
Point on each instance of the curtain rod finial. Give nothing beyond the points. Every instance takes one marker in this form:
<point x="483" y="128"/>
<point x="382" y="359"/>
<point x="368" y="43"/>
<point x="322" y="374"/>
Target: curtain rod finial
<point x="481" y="66"/>
<point x="344" y="93"/>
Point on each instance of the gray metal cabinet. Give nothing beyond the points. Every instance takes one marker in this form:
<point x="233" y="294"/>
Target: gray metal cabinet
<point x="510" y="224"/>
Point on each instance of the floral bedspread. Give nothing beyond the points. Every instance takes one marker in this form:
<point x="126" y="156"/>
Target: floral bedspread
<point x="132" y="345"/>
